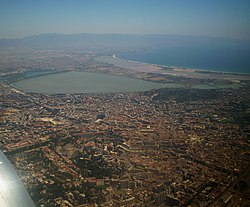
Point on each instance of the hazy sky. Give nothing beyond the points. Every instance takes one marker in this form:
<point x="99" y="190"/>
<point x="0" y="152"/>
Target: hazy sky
<point x="229" y="18"/>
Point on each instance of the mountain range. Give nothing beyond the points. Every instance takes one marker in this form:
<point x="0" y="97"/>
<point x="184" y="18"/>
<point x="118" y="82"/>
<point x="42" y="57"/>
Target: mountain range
<point x="121" y="41"/>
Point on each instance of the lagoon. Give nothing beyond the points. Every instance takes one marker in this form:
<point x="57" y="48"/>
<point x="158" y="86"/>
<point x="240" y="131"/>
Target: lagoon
<point x="84" y="82"/>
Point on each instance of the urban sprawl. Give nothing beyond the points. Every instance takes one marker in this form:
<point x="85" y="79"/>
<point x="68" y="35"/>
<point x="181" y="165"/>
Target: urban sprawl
<point x="165" y="147"/>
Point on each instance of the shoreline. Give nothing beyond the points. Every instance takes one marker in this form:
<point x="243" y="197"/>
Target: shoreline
<point x="173" y="71"/>
<point x="200" y="70"/>
<point x="157" y="70"/>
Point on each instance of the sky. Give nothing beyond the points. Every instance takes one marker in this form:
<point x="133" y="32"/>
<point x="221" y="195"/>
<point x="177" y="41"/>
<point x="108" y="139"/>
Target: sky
<point x="227" y="18"/>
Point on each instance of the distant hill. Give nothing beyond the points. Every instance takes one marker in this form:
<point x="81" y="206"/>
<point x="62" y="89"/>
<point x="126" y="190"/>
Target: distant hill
<point x="213" y="53"/>
<point x="119" y="41"/>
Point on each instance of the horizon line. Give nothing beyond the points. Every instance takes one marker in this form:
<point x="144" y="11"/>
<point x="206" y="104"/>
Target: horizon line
<point x="131" y="34"/>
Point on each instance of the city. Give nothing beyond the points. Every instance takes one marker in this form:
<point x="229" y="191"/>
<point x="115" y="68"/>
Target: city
<point x="166" y="147"/>
<point x="130" y="103"/>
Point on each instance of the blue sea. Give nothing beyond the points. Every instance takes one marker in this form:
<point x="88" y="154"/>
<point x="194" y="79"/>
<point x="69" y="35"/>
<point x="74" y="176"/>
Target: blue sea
<point x="223" y="59"/>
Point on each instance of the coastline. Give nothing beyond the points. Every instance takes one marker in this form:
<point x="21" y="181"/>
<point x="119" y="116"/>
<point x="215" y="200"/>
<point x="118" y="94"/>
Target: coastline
<point x="175" y="71"/>
<point x="202" y="70"/>
<point x="169" y="76"/>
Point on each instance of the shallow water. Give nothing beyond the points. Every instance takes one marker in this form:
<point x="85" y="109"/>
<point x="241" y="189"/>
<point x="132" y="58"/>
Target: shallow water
<point x="84" y="82"/>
